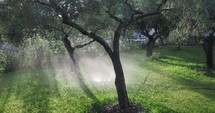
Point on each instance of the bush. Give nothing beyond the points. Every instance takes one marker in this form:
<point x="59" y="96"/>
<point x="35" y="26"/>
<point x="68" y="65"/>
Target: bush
<point x="8" y="61"/>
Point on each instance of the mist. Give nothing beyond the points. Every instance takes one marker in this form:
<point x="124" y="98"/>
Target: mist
<point x="94" y="68"/>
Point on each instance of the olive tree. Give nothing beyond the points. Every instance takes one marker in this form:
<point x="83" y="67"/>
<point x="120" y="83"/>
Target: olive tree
<point x="72" y="12"/>
<point x="197" y="18"/>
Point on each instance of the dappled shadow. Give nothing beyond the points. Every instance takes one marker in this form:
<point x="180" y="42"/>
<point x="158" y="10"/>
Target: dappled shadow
<point x="190" y="65"/>
<point x="192" y="54"/>
<point x="205" y="70"/>
<point x="6" y="88"/>
<point x="174" y="64"/>
<point x="206" y="89"/>
<point x="193" y="84"/>
<point x="32" y="90"/>
<point x="37" y="90"/>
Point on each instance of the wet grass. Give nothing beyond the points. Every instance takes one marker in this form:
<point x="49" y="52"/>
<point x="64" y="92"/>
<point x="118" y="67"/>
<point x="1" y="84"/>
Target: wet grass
<point x="172" y="82"/>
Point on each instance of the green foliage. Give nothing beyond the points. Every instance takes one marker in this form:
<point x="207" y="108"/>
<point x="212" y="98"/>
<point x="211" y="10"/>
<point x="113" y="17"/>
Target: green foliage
<point x="2" y="60"/>
<point x="8" y="61"/>
<point x="196" y="18"/>
<point x="36" y="52"/>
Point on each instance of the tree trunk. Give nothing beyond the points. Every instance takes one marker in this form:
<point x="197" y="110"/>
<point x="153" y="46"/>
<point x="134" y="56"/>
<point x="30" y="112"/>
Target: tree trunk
<point x="69" y="48"/>
<point x="208" y="48"/>
<point x="150" y="47"/>
<point x="161" y="42"/>
<point x="178" y="48"/>
<point x="120" y="82"/>
<point x="77" y="74"/>
<point x="120" y="79"/>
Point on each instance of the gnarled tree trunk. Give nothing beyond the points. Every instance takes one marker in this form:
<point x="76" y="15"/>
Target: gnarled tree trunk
<point x="120" y="82"/>
<point x="161" y="42"/>
<point x="120" y="79"/>
<point x="150" y="46"/>
<point x="208" y="48"/>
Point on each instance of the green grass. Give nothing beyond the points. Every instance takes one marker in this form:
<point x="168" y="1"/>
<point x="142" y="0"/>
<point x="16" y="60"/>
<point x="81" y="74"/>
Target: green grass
<point x="170" y="83"/>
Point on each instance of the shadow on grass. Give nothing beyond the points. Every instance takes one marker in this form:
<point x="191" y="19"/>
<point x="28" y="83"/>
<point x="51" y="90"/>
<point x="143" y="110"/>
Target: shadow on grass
<point x="33" y="88"/>
<point x="6" y="87"/>
<point x="206" y="89"/>
<point x="193" y="66"/>
<point x="158" y="108"/>
<point x="37" y="91"/>
<point x="202" y="87"/>
<point x="174" y="64"/>
<point x="192" y="54"/>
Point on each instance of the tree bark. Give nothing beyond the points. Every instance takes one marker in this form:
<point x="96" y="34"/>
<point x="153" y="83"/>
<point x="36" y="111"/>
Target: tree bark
<point x="208" y="48"/>
<point x="161" y="42"/>
<point x="120" y="82"/>
<point x="120" y="79"/>
<point x="69" y="48"/>
<point x="77" y="74"/>
<point x="150" y="47"/>
<point x="178" y="47"/>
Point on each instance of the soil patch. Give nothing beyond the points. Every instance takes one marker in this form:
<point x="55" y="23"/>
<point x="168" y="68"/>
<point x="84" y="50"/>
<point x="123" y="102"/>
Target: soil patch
<point x="115" y="108"/>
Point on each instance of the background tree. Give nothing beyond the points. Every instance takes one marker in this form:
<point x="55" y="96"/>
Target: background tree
<point x="150" y="20"/>
<point x="197" y="20"/>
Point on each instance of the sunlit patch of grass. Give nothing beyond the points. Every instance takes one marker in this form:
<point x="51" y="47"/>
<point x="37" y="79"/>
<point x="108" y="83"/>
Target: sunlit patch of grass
<point x="169" y="83"/>
<point x="34" y="91"/>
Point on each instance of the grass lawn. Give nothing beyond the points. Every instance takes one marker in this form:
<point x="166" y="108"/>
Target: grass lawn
<point x="171" y="83"/>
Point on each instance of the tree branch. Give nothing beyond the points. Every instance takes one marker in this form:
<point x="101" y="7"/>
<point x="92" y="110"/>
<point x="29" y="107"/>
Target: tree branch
<point x="141" y="14"/>
<point x="147" y="15"/>
<point x="80" y="46"/>
<point x="42" y="3"/>
<point x="67" y="21"/>
<point x="89" y="34"/>
<point x="132" y="9"/>
<point x="52" y="5"/>
<point x="160" y="5"/>
<point x="113" y="16"/>
<point x="146" y="33"/>
<point x="59" y="29"/>
<point x="99" y="28"/>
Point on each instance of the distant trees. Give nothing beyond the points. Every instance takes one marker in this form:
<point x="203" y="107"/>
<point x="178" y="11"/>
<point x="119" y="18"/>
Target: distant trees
<point x="153" y="25"/>
<point x="208" y="19"/>
<point x="151" y="20"/>
<point x="197" y="19"/>
<point x="17" y="19"/>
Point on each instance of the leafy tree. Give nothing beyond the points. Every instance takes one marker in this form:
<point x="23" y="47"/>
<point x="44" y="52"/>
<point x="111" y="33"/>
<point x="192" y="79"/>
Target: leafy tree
<point x="151" y="20"/>
<point x="69" y="11"/>
<point x="206" y="23"/>
<point x="75" y="14"/>
<point x="197" y="19"/>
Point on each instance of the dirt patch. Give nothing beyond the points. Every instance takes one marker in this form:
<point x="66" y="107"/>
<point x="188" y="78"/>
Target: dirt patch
<point x="115" y="108"/>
